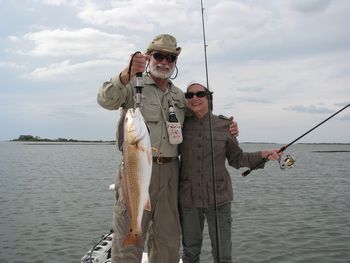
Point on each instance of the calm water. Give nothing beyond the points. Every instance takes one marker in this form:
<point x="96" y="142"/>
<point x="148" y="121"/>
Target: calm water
<point x="55" y="206"/>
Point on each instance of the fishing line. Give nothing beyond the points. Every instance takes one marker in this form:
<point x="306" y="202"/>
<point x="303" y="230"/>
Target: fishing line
<point x="210" y="98"/>
<point x="297" y="139"/>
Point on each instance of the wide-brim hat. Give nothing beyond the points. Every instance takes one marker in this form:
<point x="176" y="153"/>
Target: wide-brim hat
<point x="165" y="43"/>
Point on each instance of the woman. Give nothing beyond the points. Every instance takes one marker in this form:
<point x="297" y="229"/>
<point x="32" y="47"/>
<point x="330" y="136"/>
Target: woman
<point x="196" y="185"/>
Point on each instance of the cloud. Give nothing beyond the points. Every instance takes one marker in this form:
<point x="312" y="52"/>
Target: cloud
<point x="81" y="42"/>
<point x="61" y="2"/>
<point x="309" y="109"/>
<point x="268" y="60"/>
<point x="66" y="70"/>
<point x="345" y="117"/>
<point x="275" y="30"/>
<point x="310" y="6"/>
<point x="120" y="17"/>
<point x="244" y="100"/>
<point x="250" y="89"/>
<point x="237" y="20"/>
<point x="141" y="16"/>
<point x="342" y="104"/>
<point x="14" y="38"/>
<point x="9" y="64"/>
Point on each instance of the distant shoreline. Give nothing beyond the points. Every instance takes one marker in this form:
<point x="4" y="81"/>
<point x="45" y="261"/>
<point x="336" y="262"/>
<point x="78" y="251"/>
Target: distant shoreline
<point x="68" y="143"/>
<point x="34" y="139"/>
<point x="60" y="141"/>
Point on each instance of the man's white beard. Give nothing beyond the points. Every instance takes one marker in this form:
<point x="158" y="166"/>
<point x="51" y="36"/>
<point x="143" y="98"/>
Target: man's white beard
<point x="160" y="74"/>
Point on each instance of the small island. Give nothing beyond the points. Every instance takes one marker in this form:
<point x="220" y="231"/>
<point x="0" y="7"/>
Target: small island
<point x="31" y="138"/>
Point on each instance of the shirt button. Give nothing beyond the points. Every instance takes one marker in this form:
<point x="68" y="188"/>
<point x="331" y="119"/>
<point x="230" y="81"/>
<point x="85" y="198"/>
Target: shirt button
<point x="200" y="134"/>
<point x="199" y="145"/>
<point x="198" y="158"/>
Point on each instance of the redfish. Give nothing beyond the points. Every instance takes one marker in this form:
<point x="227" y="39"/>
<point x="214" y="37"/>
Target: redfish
<point x="136" y="172"/>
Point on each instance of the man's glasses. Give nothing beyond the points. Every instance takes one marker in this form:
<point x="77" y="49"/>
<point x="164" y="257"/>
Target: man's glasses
<point x="199" y="94"/>
<point x="169" y="57"/>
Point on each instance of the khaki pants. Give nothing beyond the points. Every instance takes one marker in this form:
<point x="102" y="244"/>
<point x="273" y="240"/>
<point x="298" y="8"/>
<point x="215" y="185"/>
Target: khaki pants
<point x="161" y="226"/>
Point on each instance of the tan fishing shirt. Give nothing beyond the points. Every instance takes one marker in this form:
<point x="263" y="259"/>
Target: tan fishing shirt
<point x="113" y="95"/>
<point x="196" y="185"/>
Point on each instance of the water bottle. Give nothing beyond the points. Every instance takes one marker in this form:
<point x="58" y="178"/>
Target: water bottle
<point x="172" y="114"/>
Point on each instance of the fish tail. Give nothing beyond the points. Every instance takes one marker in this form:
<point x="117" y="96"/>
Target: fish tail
<point x="132" y="239"/>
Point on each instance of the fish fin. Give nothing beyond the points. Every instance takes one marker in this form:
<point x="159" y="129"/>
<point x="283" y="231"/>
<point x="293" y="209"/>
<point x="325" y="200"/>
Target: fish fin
<point x="154" y="149"/>
<point x="132" y="239"/>
<point x="149" y="156"/>
<point x="140" y="147"/>
<point x="148" y="205"/>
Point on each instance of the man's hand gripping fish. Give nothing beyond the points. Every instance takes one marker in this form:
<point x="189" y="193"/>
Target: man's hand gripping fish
<point x="136" y="172"/>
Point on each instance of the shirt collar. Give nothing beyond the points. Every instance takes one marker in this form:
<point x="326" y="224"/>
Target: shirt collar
<point x="150" y="81"/>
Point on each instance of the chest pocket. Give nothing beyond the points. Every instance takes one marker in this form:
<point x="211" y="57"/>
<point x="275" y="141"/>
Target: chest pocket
<point x="151" y="112"/>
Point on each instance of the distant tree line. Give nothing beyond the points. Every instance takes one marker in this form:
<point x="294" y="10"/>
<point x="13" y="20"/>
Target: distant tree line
<point x="32" y="138"/>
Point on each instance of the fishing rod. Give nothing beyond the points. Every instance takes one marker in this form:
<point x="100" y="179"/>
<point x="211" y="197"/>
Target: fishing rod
<point x="210" y="98"/>
<point x="297" y="139"/>
<point x="138" y="88"/>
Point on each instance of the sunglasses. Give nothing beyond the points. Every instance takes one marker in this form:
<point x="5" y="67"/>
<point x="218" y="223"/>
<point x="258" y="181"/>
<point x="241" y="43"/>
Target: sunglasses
<point x="199" y="94"/>
<point x="169" y="57"/>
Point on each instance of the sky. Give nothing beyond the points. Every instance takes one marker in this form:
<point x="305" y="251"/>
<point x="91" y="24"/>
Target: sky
<point x="279" y="67"/>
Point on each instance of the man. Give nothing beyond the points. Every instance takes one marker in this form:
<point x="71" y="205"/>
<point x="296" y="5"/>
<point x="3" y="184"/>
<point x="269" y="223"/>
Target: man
<point x="161" y="225"/>
<point x="162" y="222"/>
<point x="196" y="181"/>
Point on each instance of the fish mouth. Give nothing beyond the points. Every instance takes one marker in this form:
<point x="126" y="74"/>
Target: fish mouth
<point x="134" y="130"/>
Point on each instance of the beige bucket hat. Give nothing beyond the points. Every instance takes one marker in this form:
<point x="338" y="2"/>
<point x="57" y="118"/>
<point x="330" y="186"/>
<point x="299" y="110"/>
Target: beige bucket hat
<point x="164" y="42"/>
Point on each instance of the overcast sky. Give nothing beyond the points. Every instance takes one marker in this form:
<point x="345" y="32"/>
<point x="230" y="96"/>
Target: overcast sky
<point x="278" y="66"/>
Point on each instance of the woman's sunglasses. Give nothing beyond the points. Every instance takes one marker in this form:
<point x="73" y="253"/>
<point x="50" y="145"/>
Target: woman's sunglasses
<point x="169" y="57"/>
<point x="199" y="94"/>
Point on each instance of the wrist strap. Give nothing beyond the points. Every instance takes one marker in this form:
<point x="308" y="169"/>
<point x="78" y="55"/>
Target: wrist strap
<point x="130" y="64"/>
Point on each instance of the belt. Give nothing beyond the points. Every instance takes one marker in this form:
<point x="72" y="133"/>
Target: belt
<point x="162" y="160"/>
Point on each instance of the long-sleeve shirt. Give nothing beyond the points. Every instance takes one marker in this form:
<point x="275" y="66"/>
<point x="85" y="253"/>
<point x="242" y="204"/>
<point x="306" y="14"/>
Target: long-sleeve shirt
<point x="196" y="185"/>
<point x="113" y="95"/>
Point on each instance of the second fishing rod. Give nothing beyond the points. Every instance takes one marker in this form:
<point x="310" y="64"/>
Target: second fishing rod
<point x="282" y="149"/>
<point x="217" y="234"/>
